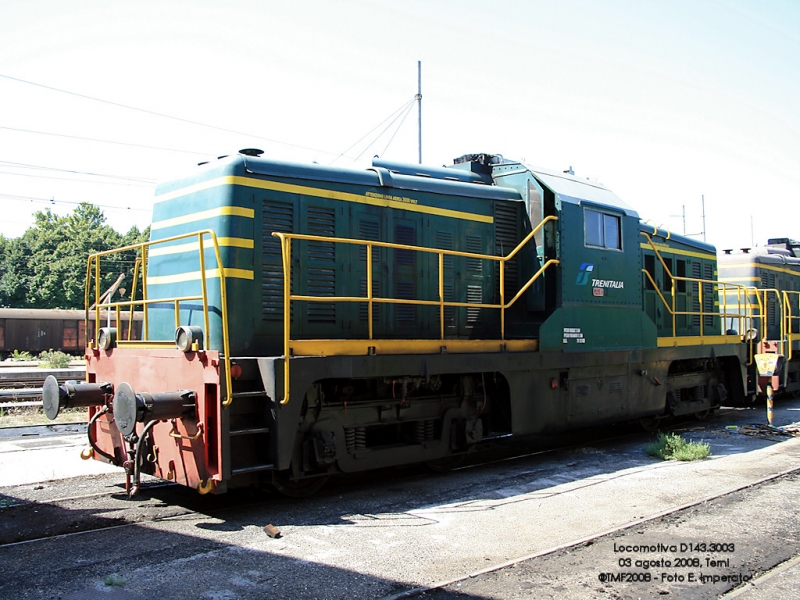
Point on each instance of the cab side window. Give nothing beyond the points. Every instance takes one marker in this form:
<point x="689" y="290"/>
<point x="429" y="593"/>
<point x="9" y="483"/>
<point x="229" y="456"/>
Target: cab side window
<point x="602" y="230"/>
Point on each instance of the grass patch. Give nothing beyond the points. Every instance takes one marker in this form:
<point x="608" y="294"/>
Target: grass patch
<point x="50" y="359"/>
<point x="671" y="446"/>
<point x="113" y="580"/>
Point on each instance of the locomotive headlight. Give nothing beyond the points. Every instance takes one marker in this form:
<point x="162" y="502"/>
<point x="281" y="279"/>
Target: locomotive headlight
<point x="189" y="338"/>
<point x="107" y="337"/>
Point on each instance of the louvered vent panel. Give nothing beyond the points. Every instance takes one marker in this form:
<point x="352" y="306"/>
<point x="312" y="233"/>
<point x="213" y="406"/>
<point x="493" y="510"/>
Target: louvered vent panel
<point x="276" y="217"/>
<point x="369" y="230"/>
<point x="696" y="272"/>
<point x="474" y="296"/>
<point x="406" y="290"/>
<point x="505" y="231"/>
<point x="708" y="295"/>
<point x="445" y="241"/>
<point x="321" y="221"/>
<point x="475" y="245"/>
<point x="404" y="234"/>
<point x="320" y="271"/>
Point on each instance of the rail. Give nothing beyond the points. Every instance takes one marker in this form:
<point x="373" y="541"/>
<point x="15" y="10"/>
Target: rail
<point x="286" y="254"/>
<point x="93" y="273"/>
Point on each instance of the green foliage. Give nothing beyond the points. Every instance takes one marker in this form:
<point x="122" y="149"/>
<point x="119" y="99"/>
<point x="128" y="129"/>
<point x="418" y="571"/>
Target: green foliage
<point x="113" y="580"/>
<point x="20" y="355"/>
<point x="50" y="359"/>
<point x="671" y="446"/>
<point x="46" y="267"/>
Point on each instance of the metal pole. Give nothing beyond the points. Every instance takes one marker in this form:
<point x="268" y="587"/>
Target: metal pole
<point x="703" y="201"/>
<point x="684" y="218"/>
<point x="419" y="107"/>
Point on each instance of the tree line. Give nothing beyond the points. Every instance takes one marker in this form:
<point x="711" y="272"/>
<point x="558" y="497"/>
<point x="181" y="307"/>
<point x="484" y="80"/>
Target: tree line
<point x="46" y="266"/>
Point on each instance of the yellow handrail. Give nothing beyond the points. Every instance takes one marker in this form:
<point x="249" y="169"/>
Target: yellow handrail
<point x="288" y="297"/>
<point x="743" y="311"/>
<point x="93" y="266"/>
<point x="789" y="319"/>
<point x="701" y="313"/>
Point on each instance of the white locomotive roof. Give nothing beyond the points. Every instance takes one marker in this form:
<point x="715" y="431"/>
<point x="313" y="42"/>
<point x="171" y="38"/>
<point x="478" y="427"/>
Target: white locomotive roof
<point x="568" y="186"/>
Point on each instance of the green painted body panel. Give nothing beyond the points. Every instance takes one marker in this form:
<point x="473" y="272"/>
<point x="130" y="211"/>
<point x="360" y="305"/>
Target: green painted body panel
<point x="596" y="328"/>
<point x="292" y="198"/>
<point x="599" y="291"/>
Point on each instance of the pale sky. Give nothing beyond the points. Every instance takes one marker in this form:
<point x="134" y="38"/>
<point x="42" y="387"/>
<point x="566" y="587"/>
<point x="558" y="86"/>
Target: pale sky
<point x="662" y="101"/>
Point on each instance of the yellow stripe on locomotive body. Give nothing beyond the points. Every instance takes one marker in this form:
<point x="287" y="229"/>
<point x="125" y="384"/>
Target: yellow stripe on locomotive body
<point x="244" y="199"/>
<point x="672" y="250"/>
<point x="369" y="197"/>
<point x="195" y="246"/>
<point x="196" y="276"/>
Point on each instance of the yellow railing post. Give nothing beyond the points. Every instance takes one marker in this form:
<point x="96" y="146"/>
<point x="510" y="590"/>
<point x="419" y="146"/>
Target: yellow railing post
<point x="203" y="285"/>
<point x="86" y="295"/>
<point x="441" y="295"/>
<point x="369" y="290"/>
<point x="145" y="298"/>
<point x="286" y="253"/>
<point x="96" y="299"/>
<point x="502" y="300"/>
<point x="136" y="265"/>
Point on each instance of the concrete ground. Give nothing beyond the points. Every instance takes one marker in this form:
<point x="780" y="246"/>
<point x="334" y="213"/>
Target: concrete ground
<point x="377" y="541"/>
<point x="37" y="454"/>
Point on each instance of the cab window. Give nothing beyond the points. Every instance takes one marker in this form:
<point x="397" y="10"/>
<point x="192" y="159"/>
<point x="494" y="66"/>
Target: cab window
<point x="602" y="230"/>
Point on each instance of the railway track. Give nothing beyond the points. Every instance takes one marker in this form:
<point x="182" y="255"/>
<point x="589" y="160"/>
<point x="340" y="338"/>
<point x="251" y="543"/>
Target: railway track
<point x="21" y="386"/>
<point x="451" y="587"/>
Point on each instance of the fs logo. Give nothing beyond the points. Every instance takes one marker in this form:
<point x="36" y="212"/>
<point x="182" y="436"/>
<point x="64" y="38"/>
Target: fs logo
<point x="583" y="276"/>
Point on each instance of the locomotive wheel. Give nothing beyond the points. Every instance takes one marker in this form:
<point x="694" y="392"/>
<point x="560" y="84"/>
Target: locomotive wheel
<point x="297" y="489"/>
<point x="649" y="424"/>
<point x="703" y="414"/>
<point x="446" y="463"/>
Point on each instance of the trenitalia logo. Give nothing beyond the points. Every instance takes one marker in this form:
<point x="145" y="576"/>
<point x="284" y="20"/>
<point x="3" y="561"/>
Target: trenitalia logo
<point x="583" y="276"/>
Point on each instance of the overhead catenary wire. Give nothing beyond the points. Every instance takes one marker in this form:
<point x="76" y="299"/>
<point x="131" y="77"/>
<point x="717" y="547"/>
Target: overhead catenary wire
<point x="7" y="163"/>
<point x="89" y="139"/>
<point x="128" y="183"/>
<point x="53" y="201"/>
<point x="159" y="114"/>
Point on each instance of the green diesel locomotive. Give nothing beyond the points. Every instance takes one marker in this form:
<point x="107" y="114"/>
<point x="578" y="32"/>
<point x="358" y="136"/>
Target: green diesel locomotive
<point x="301" y="321"/>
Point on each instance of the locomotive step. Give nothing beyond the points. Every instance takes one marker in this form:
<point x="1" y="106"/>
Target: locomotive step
<point x="249" y="394"/>
<point x="251" y="469"/>
<point x="249" y="431"/>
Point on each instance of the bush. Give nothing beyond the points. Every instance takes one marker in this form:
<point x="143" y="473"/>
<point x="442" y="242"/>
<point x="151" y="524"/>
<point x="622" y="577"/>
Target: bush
<point x="20" y="355"/>
<point x="50" y="359"/>
<point x="671" y="446"/>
